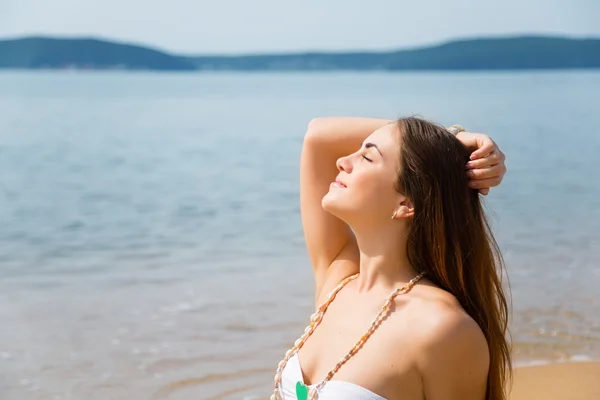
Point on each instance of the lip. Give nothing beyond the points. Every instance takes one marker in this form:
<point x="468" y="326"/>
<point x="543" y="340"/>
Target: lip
<point x="338" y="184"/>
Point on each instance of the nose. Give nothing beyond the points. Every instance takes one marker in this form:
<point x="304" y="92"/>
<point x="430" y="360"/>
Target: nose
<point x="344" y="164"/>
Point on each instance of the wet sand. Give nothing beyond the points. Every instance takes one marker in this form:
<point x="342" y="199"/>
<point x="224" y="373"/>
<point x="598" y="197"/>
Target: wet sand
<point x="564" y="381"/>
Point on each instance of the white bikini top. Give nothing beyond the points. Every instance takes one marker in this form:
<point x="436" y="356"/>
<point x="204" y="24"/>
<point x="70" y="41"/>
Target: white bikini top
<point x="332" y="390"/>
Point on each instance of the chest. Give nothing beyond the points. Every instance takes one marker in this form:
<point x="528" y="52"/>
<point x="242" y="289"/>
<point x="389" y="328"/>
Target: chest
<point x="380" y="364"/>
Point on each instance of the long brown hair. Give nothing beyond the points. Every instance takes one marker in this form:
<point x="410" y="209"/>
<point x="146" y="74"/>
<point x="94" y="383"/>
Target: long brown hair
<point x="450" y="238"/>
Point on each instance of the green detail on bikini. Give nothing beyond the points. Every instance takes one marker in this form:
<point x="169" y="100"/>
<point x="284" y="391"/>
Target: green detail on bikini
<point x="301" y="391"/>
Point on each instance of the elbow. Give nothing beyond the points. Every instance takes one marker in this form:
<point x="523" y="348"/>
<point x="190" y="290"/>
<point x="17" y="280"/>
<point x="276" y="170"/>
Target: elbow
<point x="315" y="129"/>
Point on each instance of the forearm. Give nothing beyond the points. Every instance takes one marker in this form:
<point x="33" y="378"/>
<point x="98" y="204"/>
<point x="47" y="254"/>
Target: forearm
<point x="340" y="136"/>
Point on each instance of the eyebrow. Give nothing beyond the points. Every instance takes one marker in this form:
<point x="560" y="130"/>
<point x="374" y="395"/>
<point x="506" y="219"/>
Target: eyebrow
<point x="369" y="145"/>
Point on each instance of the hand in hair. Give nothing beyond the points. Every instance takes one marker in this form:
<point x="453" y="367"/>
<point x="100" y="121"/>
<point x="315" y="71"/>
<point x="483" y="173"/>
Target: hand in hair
<point x="487" y="166"/>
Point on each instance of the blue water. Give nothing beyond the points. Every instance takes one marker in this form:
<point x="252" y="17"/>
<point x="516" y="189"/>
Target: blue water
<point x="151" y="231"/>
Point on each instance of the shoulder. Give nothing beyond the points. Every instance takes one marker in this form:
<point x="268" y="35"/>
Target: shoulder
<point x="442" y="325"/>
<point x="452" y="333"/>
<point x="451" y="347"/>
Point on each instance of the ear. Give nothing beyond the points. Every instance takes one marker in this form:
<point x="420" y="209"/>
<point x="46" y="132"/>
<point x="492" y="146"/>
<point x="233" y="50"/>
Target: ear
<point x="405" y="209"/>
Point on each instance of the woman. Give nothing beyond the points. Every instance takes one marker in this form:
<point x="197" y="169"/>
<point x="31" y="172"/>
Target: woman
<point x="407" y="273"/>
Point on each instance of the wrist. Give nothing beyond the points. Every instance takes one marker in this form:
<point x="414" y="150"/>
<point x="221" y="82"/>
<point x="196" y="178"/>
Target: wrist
<point x="467" y="139"/>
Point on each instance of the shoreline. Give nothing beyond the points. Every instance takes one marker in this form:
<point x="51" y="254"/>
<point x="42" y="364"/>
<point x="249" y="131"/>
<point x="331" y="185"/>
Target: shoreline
<point x="568" y="380"/>
<point x="542" y="362"/>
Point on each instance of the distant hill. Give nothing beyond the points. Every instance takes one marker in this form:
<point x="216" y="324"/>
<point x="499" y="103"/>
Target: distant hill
<point x="39" y="52"/>
<point x="484" y="54"/>
<point x="474" y="54"/>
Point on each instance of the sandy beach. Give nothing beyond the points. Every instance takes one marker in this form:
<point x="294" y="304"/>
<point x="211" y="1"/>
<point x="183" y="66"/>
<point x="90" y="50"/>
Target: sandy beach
<point x="565" y="381"/>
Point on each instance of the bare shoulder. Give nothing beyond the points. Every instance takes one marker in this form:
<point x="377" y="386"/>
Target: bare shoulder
<point x="452" y="351"/>
<point x="441" y="315"/>
<point x="439" y="321"/>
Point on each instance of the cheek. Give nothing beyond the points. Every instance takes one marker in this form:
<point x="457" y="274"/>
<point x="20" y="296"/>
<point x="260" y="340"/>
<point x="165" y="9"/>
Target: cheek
<point x="374" y="189"/>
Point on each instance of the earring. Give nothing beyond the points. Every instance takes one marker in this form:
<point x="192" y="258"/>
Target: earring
<point x="394" y="214"/>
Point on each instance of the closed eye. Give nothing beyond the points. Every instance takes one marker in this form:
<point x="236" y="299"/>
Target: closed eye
<point x="366" y="158"/>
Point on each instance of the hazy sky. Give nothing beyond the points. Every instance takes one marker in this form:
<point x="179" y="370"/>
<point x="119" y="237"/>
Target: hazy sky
<point x="224" y="26"/>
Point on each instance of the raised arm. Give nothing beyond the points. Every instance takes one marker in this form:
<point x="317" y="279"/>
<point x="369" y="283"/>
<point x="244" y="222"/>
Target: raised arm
<point x="327" y="237"/>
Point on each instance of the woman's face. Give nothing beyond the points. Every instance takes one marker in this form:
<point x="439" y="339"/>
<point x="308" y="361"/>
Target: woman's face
<point x="364" y="192"/>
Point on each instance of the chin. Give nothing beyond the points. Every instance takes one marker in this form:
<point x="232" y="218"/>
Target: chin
<point x="351" y="210"/>
<point x="335" y="206"/>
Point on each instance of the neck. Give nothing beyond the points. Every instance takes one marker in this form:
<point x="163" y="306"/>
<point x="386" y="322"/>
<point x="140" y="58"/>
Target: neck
<point x="384" y="262"/>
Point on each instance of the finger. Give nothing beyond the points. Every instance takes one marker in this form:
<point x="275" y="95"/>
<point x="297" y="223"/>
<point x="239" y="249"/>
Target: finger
<point x="485" y="183"/>
<point x="484" y="191"/>
<point x="485" y="173"/>
<point x="491" y="159"/>
<point x="485" y="147"/>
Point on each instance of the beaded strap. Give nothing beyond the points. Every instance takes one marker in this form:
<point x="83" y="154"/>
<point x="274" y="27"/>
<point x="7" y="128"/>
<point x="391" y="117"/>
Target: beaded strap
<point x="316" y="319"/>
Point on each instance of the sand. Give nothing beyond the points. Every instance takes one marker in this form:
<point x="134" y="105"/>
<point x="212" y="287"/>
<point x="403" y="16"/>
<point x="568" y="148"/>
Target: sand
<point x="565" y="381"/>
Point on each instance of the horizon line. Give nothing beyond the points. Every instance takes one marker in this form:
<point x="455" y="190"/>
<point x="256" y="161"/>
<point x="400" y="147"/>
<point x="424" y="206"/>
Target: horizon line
<point x="102" y="38"/>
